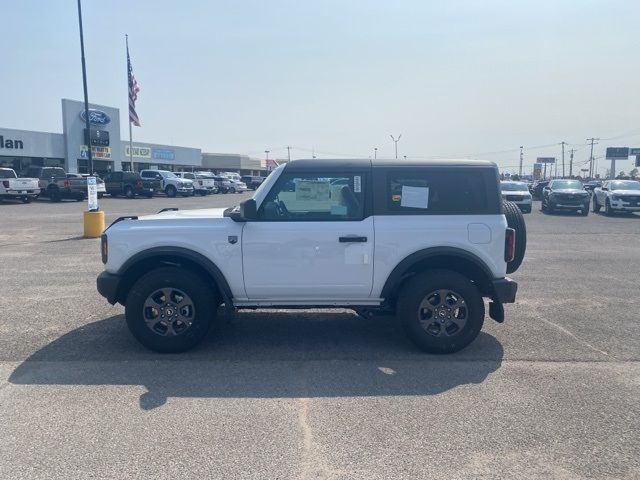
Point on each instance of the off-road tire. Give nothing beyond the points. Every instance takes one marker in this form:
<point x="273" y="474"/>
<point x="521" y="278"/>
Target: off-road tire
<point x="201" y="294"/>
<point x="515" y="220"/>
<point x="414" y="292"/>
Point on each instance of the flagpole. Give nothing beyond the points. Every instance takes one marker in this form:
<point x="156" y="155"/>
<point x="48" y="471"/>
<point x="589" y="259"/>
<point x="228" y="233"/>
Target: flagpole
<point x="128" y="117"/>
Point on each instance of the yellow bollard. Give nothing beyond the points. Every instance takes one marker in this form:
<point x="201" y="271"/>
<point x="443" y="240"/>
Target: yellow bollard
<point x="93" y="223"/>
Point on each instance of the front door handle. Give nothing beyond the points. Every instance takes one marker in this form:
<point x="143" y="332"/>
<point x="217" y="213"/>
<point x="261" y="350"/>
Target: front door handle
<point x="352" y="239"/>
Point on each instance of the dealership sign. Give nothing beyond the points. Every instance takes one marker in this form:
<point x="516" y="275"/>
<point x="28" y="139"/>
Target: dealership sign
<point x="617" y="152"/>
<point x="97" y="153"/>
<point x="546" y="159"/>
<point x="138" y="152"/>
<point x="96" y="117"/>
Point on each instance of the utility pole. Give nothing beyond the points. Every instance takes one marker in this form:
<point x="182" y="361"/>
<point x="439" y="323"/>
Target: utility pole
<point x="571" y="162"/>
<point x="288" y="153"/>
<point x="563" y="144"/>
<point x="520" y="170"/>
<point x="396" y="143"/>
<point x="593" y="142"/>
<point x="86" y="96"/>
<point x="375" y="153"/>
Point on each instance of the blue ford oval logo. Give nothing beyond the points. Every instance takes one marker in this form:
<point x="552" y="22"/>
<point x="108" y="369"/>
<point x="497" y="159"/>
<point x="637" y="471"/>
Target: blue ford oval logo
<point x="96" y="117"/>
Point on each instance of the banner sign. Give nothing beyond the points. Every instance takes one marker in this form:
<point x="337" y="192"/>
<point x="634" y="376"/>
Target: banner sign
<point x="92" y="193"/>
<point x="546" y="159"/>
<point x="163" y="154"/>
<point x="617" y="152"/>
<point x="138" y="152"/>
<point x="634" y="151"/>
<point x="97" y="153"/>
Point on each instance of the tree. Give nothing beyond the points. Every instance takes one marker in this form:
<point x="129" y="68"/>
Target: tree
<point x="515" y="177"/>
<point x="633" y="173"/>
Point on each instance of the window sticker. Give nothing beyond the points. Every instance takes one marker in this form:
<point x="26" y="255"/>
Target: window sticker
<point x="312" y="190"/>
<point x="357" y="184"/>
<point x="415" y="197"/>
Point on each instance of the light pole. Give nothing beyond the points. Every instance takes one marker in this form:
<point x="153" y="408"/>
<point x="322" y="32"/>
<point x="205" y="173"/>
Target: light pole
<point x="375" y="153"/>
<point x="267" y="160"/>
<point x="288" y="153"/>
<point x="520" y="169"/>
<point x="396" y="143"/>
<point x="86" y="95"/>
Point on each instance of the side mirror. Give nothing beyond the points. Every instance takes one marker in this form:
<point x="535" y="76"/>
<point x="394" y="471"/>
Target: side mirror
<point x="248" y="209"/>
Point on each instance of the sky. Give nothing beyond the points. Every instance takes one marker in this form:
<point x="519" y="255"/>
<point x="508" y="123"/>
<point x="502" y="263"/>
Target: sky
<point x="457" y="78"/>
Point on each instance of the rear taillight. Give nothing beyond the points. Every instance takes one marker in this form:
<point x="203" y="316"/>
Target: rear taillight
<point x="5" y="183"/>
<point x="200" y="182"/>
<point x="66" y="184"/>
<point x="509" y="245"/>
<point x="104" y="248"/>
<point x="139" y="184"/>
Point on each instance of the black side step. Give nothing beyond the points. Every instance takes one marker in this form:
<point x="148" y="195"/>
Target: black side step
<point x="169" y="209"/>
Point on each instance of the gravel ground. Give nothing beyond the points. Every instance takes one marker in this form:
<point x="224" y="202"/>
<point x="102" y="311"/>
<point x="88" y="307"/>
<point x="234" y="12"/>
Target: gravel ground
<point x="551" y="393"/>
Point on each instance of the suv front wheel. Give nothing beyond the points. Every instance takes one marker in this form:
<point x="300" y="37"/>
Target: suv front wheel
<point x="441" y="311"/>
<point x="170" y="309"/>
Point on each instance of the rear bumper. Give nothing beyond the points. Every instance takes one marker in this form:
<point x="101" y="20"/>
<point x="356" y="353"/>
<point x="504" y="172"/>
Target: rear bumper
<point x="504" y="290"/>
<point x="108" y="284"/>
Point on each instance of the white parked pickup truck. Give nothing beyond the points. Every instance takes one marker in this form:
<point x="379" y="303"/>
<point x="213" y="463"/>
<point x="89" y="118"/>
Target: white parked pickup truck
<point x="425" y="241"/>
<point x="12" y="187"/>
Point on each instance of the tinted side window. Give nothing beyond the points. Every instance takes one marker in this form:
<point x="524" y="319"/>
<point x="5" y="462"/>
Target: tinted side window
<point x="315" y="197"/>
<point x="444" y="191"/>
<point x="147" y="174"/>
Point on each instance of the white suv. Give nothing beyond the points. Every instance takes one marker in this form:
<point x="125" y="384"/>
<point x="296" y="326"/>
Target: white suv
<point x="425" y="241"/>
<point x="518" y="193"/>
<point x="171" y="184"/>
<point x="617" y="196"/>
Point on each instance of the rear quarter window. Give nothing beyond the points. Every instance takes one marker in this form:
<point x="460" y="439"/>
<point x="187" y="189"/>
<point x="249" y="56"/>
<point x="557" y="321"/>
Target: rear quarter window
<point x="437" y="191"/>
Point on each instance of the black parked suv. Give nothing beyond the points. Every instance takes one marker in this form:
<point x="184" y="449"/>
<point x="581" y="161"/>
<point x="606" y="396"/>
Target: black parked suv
<point x="565" y="195"/>
<point x="252" y="181"/>
<point x="130" y="184"/>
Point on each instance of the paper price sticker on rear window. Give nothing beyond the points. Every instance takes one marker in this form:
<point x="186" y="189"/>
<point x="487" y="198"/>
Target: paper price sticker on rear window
<point x="415" y="197"/>
<point x="357" y="184"/>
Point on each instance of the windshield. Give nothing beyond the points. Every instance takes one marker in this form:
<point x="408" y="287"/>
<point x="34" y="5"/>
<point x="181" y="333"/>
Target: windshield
<point x="167" y="174"/>
<point x="566" y="184"/>
<point x="7" y="174"/>
<point x="514" y="187"/>
<point x="625" y="185"/>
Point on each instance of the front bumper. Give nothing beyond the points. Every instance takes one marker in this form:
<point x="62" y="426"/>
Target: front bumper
<point x="108" y="285"/>
<point x="504" y="290"/>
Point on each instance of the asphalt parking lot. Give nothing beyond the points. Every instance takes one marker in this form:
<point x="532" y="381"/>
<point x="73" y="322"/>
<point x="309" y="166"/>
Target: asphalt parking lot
<point x="551" y="393"/>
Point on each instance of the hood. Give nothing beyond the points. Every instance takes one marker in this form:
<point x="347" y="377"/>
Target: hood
<point x="570" y="191"/>
<point x="635" y="193"/>
<point x="203" y="213"/>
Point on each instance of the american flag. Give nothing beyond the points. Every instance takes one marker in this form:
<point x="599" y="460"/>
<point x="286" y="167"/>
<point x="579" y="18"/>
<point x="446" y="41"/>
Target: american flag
<point x="133" y="92"/>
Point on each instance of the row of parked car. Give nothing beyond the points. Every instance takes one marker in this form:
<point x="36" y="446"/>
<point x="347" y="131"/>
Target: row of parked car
<point x="614" y="196"/>
<point x="56" y="184"/>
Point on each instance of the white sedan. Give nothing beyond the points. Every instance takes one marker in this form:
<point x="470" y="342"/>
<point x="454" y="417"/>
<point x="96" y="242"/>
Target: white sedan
<point x="617" y="196"/>
<point x="518" y="193"/>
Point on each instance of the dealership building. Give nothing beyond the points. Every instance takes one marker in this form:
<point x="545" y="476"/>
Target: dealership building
<point x="20" y="149"/>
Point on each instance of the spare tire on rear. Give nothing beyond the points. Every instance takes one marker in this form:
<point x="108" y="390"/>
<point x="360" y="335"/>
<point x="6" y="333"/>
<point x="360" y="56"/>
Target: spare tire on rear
<point x="515" y="220"/>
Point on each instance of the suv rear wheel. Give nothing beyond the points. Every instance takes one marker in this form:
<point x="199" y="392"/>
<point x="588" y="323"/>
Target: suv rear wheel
<point x="170" y="309"/>
<point x="128" y="191"/>
<point x="441" y="311"/>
